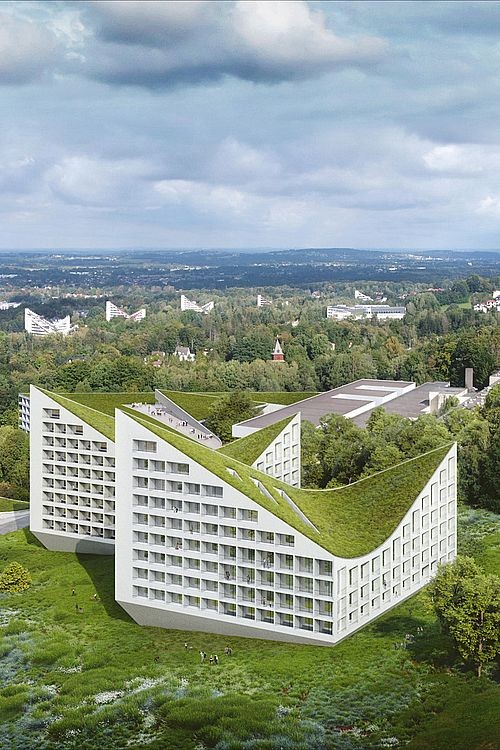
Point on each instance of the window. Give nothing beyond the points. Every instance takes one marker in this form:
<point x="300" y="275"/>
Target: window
<point x="146" y="446"/>
<point x="324" y="568"/>
<point x="212" y="491"/>
<point x="248" y="515"/>
<point x="177" y="468"/>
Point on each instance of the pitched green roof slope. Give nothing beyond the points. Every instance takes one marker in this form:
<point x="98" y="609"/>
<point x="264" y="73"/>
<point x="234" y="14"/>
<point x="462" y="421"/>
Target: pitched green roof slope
<point x="350" y="521"/>
<point x="103" y="423"/>
<point x="198" y="405"/>
<point x="107" y="402"/>
<point x="247" y="449"/>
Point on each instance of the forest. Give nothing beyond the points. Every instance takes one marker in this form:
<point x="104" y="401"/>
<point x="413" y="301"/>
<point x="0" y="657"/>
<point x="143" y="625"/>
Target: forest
<point x="438" y="338"/>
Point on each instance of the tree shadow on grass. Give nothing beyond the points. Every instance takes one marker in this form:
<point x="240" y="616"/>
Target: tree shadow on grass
<point x="429" y="645"/>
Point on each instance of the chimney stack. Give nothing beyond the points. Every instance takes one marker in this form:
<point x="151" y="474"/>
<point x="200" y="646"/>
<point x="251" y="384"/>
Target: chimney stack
<point x="469" y="379"/>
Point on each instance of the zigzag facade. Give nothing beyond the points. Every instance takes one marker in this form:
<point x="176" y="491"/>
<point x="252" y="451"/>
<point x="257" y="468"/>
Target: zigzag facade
<point x="223" y="540"/>
<point x="112" y="311"/>
<point x="187" y="304"/>
<point x="39" y="326"/>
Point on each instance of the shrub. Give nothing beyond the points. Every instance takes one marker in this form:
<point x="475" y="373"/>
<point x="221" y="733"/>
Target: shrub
<point x="14" y="577"/>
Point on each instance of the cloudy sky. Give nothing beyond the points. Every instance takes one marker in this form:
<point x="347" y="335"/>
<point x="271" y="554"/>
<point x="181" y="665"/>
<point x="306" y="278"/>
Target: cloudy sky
<point x="250" y="124"/>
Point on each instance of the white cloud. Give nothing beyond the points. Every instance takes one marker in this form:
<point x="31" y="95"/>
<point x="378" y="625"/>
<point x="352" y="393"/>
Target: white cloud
<point x="234" y="161"/>
<point x="95" y="182"/>
<point x="490" y="205"/>
<point x="285" y="35"/>
<point x="455" y="158"/>
<point x="27" y="50"/>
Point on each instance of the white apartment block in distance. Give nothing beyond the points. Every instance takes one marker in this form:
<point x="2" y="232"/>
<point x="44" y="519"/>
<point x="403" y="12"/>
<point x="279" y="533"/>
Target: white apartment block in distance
<point x="380" y="312"/>
<point x="39" y="326"/>
<point x="224" y="540"/>
<point x="187" y="304"/>
<point x="112" y="311"/>
<point x="263" y="302"/>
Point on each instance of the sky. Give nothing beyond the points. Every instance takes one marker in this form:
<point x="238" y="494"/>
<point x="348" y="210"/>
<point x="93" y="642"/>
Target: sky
<point x="249" y="124"/>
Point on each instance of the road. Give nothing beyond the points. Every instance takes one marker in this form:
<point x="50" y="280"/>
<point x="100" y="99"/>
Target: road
<point x="14" y="519"/>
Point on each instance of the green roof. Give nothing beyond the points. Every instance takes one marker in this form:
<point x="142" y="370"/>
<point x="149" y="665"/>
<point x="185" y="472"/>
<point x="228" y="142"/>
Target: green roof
<point x="198" y="405"/>
<point x="107" y="402"/>
<point x="103" y="423"/>
<point x="349" y="521"/>
<point x="248" y="449"/>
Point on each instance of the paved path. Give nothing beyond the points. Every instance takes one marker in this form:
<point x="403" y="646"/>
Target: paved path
<point x="14" y="519"/>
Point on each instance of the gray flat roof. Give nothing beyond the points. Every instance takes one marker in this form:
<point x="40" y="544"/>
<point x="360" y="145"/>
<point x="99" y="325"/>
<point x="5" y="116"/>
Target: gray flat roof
<point x="342" y="400"/>
<point x="413" y="403"/>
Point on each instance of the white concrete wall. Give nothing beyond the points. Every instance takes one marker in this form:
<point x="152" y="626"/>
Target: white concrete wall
<point x="281" y="458"/>
<point x="65" y="516"/>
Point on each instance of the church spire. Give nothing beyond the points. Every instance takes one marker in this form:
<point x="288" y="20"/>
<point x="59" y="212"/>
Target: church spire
<point x="278" y="355"/>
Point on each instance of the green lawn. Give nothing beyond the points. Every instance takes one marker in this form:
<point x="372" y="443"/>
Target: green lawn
<point x="7" y="504"/>
<point x="59" y="667"/>
<point x="463" y="305"/>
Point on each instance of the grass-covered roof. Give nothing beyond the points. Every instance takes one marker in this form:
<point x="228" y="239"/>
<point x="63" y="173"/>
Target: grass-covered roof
<point x="198" y="405"/>
<point x="350" y="521"/>
<point x="108" y="402"/>
<point x="248" y="449"/>
<point x="102" y="422"/>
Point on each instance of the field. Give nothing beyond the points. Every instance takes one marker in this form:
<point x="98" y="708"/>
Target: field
<point x="93" y="678"/>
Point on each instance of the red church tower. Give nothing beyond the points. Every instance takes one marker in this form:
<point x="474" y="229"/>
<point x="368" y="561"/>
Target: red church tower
<point x="278" y="355"/>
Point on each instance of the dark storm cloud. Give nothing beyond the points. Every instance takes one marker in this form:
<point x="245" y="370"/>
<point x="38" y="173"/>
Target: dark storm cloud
<point x="155" y="44"/>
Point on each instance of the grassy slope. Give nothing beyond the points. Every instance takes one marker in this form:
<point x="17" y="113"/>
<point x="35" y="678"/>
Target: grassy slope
<point x="248" y="449"/>
<point x="111" y="649"/>
<point x="351" y="520"/>
<point x="465" y="722"/>
<point x="6" y="504"/>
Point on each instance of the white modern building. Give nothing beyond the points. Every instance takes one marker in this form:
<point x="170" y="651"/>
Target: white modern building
<point x="381" y="312"/>
<point x="222" y="539"/>
<point x="112" y="311"/>
<point x="363" y="297"/>
<point x="39" y="326"/>
<point x="187" y="304"/>
<point x="9" y="305"/>
<point x="263" y="302"/>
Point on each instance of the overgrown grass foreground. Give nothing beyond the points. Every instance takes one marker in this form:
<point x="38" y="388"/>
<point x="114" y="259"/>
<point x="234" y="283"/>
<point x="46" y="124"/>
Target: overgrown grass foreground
<point x="94" y="679"/>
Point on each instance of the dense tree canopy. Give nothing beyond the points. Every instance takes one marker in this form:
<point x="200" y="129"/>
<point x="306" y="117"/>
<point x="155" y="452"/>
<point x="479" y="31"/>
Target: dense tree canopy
<point x="467" y="603"/>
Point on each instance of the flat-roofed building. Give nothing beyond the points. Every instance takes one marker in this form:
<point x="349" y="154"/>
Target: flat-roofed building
<point x="380" y="312"/>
